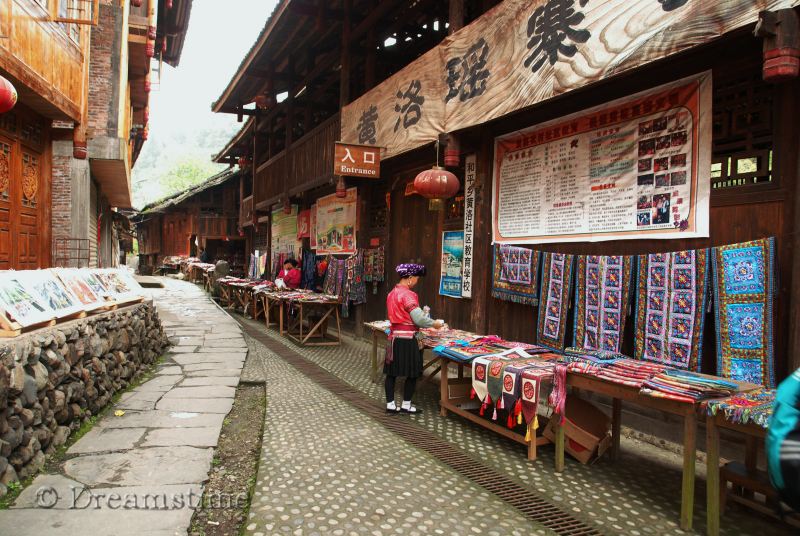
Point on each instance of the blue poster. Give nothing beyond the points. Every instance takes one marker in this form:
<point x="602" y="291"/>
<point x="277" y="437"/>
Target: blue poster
<point x="452" y="263"/>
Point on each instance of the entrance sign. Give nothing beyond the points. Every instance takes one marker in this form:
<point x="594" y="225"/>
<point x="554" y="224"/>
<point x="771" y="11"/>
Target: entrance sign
<point x="357" y="161"/>
<point x="634" y="168"/>
<point x="524" y="52"/>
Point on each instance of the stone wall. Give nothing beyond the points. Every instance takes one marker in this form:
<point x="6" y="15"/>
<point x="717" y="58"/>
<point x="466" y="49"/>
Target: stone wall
<point x="52" y="380"/>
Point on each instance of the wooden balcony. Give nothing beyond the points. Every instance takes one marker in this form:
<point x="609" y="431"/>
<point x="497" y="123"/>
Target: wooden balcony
<point x="246" y="212"/>
<point x="306" y="164"/>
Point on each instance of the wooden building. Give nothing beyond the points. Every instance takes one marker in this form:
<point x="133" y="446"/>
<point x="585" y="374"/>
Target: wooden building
<point x="83" y="73"/>
<point x="203" y="216"/>
<point x="317" y="67"/>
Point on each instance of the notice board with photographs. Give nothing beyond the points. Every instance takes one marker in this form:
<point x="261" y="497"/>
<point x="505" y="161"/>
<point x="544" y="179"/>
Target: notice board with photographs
<point x="633" y="168"/>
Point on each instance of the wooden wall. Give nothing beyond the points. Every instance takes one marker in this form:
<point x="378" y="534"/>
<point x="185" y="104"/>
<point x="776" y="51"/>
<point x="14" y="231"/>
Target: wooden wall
<point x="737" y="214"/>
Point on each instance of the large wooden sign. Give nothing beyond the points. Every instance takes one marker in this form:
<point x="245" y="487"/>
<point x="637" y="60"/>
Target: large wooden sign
<point x="633" y="168"/>
<point x="357" y="161"/>
<point x="523" y="52"/>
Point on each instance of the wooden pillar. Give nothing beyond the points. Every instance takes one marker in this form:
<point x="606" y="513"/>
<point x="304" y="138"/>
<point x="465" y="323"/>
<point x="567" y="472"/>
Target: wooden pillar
<point x="787" y="139"/>
<point x="456" y="16"/>
<point x="369" y="65"/>
<point x="290" y="107"/>
<point x="344" y="81"/>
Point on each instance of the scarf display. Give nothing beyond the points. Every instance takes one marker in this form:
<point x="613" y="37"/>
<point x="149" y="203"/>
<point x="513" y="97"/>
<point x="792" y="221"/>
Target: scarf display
<point x="355" y="289"/>
<point x="601" y="301"/>
<point x="309" y="270"/>
<point x="744" y="408"/>
<point x="480" y="373"/>
<point x="374" y="267"/>
<point x="334" y="277"/>
<point x="512" y="387"/>
<point x="530" y="388"/>
<point x="686" y="386"/>
<point x="252" y="267"/>
<point x="556" y="281"/>
<point x="262" y="265"/>
<point x="630" y="372"/>
<point x="515" y="274"/>
<point x="744" y="294"/>
<point x="671" y="307"/>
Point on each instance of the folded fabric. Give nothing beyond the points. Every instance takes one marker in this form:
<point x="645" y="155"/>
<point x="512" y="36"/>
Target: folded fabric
<point x="754" y="407"/>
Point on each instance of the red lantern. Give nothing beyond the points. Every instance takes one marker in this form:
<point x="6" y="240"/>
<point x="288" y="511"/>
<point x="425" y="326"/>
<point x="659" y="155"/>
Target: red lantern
<point x="781" y="64"/>
<point x="79" y="150"/>
<point x="8" y="95"/>
<point x="263" y="101"/>
<point x="151" y="32"/>
<point x="136" y="3"/>
<point x="147" y="84"/>
<point x="164" y="44"/>
<point x="341" y="187"/>
<point x="146" y="114"/>
<point x="169" y="4"/>
<point x="150" y="48"/>
<point x="437" y="184"/>
<point x="287" y="206"/>
<point x="146" y="132"/>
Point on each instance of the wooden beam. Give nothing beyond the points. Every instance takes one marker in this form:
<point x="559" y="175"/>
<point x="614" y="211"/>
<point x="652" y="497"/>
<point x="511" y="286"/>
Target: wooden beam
<point x="344" y="86"/>
<point x="384" y="8"/>
<point x="309" y="10"/>
<point x="456" y="15"/>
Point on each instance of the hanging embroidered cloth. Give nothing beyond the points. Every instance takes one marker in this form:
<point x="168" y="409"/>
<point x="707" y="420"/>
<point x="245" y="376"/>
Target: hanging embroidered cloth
<point x="334" y="277"/>
<point x="556" y="281"/>
<point x="744" y="292"/>
<point x="253" y="266"/>
<point x="601" y="301"/>
<point x="309" y="269"/>
<point x="515" y="277"/>
<point x="531" y="384"/>
<point x="480" y="369"/>
<point x="262" y="265"/>
<point x="743" y="408"/>
<point x="373" y="267"/>
<point x="356" y="290"/>
<point x="671" y="307"/>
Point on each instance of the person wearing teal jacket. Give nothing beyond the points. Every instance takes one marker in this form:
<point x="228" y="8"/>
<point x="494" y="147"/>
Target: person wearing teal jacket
<point x="783" y="441"/>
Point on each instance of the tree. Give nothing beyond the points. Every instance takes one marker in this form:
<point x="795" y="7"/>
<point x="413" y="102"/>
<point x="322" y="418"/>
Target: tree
<point x="186" y="173"/>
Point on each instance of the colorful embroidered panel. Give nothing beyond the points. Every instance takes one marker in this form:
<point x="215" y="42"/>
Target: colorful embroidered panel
<point x="556" y="281"/>
<point x="744" y="292"/>
<point x="601" y="299"/>
<point x="670" y="308"/>
<point x="515" y="276"/>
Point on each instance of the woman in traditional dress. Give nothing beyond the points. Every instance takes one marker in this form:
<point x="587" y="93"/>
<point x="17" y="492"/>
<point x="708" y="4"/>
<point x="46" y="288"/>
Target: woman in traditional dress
<point x="403" y="354"/>
<point x="290" y="274"/>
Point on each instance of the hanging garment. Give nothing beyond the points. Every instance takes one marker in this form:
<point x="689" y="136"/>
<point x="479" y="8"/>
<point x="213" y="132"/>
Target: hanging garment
<point x="601" y="301"/>
<point x="516" y="274"/>
<point x="556" y="286"/>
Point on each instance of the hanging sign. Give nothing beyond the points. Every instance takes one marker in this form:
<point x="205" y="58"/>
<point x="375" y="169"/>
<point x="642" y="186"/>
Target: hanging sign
<point x="357" y="161"/>
<point x="524" y="52"/>
<point x="469" y="223"/>
<point x="336" y="223"/>
<point x="450" y="282"/>
<point x="633" y="168"/>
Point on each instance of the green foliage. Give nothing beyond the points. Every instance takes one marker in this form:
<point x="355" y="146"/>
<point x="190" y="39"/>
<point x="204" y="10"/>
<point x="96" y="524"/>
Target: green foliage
<point x="187" y="173"/>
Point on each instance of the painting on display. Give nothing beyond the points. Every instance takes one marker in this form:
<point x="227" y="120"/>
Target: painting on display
<point x="118" y="286"/>
<point x="635" y="168"/>
<point x="75" y="281"/>
<point x="336" y="223"/>
<point x="450" y="283"/>
<point x="20" y="304"/>
<point x="48" y="289"/>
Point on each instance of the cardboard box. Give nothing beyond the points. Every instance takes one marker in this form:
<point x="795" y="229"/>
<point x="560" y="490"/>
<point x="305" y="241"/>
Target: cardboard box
<point x="587" y="430"/>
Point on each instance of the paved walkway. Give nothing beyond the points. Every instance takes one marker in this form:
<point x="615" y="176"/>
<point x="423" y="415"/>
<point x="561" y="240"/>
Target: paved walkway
<point x="142" y="472"/>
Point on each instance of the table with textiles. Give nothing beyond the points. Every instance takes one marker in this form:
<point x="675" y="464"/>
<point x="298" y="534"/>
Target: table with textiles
<point x="303" y="315"/>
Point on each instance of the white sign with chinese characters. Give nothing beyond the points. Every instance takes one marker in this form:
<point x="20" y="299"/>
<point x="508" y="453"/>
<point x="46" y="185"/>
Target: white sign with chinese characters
<point x="469" y="224"/>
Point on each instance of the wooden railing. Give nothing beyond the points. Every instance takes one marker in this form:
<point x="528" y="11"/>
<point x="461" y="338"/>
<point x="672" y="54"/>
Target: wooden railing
<point x="307" y="163"/>
<point x="246" y="212"/>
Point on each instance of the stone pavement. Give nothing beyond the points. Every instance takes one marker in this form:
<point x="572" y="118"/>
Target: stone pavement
<point x="327" y="468"/>
<point x="143" y="472"/>
<point x="639" y="494"/>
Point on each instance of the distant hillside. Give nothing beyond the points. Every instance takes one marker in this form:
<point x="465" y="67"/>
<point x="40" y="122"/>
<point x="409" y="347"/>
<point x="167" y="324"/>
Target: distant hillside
<point x="169" y="164"/>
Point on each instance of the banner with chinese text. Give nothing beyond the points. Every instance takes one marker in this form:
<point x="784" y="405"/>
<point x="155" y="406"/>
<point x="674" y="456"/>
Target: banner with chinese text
<point x="336" y="223"/>
<point x="627" y="169"/>
<point x="470" y="169"/>
<point x="450" y="282"/>
<point x="523" y="52"/>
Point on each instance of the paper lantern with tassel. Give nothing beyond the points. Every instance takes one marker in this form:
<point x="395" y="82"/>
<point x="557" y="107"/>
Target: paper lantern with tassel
<point x="287" y="206"/>
<point x="341" y="188"/>
<point x="8" y="95"/>
<point x="169" y="4"/>
<point x="151" y="32"/>
<point x="150" y="48"/>
<point x="136" y="3"/>
<point x="148" y="85"/>
<point x="146" y="114"/>
<point x="436" y="184"/>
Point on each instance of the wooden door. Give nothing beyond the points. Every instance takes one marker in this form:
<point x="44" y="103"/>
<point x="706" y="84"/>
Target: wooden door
<point x="27" y="194"/>
<point x="6" y="166"/>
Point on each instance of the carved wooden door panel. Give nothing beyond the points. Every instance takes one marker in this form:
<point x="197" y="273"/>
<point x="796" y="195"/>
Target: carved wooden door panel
<point x="28" y="192"/>
<point x="6" y="173"/>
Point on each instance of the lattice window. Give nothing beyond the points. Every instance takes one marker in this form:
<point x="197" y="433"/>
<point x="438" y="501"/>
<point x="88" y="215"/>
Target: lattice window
<point x="30" y="180"/>
<point x="8" y="122"/>
<point x="378" y="208"/>
<point x="5" y="170"/>
<point x="32" y="132"/>
<point x="742" y="146"/>
<point x="76" y="11"/>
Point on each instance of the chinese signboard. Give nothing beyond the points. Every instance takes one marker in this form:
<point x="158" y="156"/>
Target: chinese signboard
<point x="628" y="169"/>
<point x="357" y="161"/>
<point x="336" y="223"/>
<point x="452" y="263"/>
<point x="524" y="52"/>
<point x="469" y="223"/>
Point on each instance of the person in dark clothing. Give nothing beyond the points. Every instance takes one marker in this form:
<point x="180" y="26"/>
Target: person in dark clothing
<point x="204" y="256"/>
<point x="783" y="441"/>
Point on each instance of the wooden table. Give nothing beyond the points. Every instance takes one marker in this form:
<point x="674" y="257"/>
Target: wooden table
<point x="378" y="336"/>
<point x="454" y="398"/>
<point x="297" y="331"/>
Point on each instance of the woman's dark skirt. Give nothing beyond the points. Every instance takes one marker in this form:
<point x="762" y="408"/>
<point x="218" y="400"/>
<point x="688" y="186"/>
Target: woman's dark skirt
<point x="407" y="359"/>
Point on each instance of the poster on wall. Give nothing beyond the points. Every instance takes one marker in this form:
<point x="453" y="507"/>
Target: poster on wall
<point x="284" y="234"/>
<point x="635" y="168"/>
<point x="20" y="304"/>
<point x="312" y="227"/>
<point x="45" y="286"/>
<point x="304" y="224"/>
<point x="336" y="223"/>
<point x="450" y="283"/>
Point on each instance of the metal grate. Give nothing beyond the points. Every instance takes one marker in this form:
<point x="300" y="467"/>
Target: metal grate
<point x="71" y="252"/>
<point x="529" y="504"/>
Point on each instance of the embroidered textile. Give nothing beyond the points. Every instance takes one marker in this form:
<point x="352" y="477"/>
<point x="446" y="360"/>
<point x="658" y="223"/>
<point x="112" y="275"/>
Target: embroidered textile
<point x="334" y="278"/>
<point x="556" y="281"/>
<point x="530" y="388"/>
<point x="309" y="270"/>
<point x="356" y="289"/>
<point x="671" y="307"/>
<point x="601" y="301"/>
<point x="744" y="292"/>
<point x="753" y="407"/>
<point x="687" y="386"/>
<point x="515" y="276"/>
<point x="374" y="267"/>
